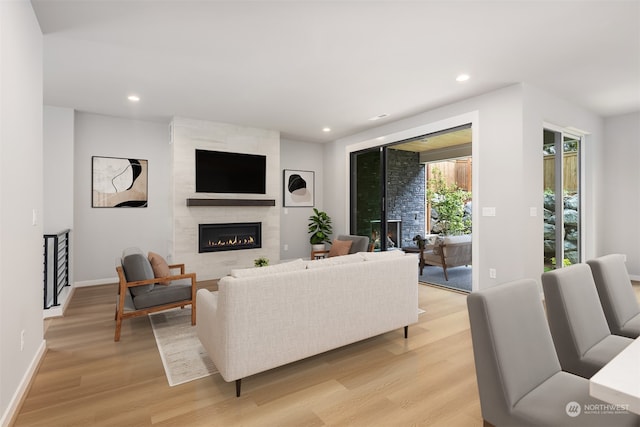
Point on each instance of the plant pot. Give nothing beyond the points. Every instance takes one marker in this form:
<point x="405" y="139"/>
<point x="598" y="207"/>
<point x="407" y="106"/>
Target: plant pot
<point x="318" y="247"/>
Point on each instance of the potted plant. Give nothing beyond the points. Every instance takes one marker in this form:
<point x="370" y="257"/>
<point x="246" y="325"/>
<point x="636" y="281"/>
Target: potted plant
<point x="319" y="229"/>
<point x="261" y="262"/>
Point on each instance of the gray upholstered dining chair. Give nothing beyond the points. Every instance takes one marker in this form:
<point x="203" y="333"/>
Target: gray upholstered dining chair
<point x="582" y="338"/>
<point x="619" y="302"/>
<point x="519" y="376"/>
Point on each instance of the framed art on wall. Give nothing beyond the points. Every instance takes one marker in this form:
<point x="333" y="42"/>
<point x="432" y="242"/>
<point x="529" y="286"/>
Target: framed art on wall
<point x="299" y="188"/>
<point x="118" y="182"/>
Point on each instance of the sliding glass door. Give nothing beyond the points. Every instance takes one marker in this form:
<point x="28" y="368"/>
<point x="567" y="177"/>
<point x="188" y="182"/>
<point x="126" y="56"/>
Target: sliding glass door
<point x="367" y="196"/>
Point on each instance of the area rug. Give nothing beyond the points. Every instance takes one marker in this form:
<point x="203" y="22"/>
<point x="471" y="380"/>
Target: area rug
<point x="182" y="354"/>
<point x="459" y="277"/>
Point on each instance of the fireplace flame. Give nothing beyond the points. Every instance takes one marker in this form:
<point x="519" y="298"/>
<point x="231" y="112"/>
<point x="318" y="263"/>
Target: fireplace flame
<point x="232" y="241"/>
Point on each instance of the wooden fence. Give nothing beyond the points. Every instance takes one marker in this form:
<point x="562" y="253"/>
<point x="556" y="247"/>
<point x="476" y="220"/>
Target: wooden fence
<point x="570" y="176"/>
<point x="453" y="171"/>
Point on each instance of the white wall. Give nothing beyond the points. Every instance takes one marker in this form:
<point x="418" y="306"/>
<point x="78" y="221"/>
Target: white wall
<point x="57" y="211"/>
<point x="100" y="234"/>
<point x="542" y="108"/>
<point x="306" y="156"/>
<point x="20" y="195"/>
<point x="620" y="205"/>
<point x="507" y="162"/>
<point x="58" y="169"/>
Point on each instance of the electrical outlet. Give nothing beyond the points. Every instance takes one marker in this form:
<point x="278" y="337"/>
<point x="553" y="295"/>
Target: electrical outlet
<point x="22" y="340"/>
<point x="286" y="247"/>
<point x="492" y="273"/>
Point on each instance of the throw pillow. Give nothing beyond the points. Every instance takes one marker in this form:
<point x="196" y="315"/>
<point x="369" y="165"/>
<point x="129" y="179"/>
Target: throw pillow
<point x="340" y="247"/>
<point x="160" y="267"/>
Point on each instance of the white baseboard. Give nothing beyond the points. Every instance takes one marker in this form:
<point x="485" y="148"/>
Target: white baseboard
<point x="634" y="277"/>
<point x="64" y="298"/>
<point x="23" y="387"/>
<point x="96" y="282"/>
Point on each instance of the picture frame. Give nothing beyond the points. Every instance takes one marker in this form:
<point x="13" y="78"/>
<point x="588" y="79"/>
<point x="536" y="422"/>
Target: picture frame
<point x="298" y="188"/>
<point x="119" y="182"/>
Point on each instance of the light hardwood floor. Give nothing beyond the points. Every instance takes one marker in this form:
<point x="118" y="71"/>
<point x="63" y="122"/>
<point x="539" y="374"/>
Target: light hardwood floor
<point x="87" y="379"/>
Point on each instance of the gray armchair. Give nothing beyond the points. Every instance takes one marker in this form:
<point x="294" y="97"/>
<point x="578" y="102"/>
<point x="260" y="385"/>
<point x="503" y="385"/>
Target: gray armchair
<point x="519" y="376"/>
<point x="358" y="244"/>
<point x="619" y="302"/>
<point x="140" y="294"/>
<point x="582" y="338"/>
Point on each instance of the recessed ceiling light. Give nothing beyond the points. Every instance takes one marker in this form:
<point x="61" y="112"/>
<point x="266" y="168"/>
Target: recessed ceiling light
<point x="463" y="78"/>
<point x="378" y="117"/>
<point x="133" y="98"/>
<point x="326" y="129"/>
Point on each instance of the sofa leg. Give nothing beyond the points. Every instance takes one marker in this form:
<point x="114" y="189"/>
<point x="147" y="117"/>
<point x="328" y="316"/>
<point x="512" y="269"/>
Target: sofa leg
<point x="238" y="385"/>
<point x="406" y="332"/>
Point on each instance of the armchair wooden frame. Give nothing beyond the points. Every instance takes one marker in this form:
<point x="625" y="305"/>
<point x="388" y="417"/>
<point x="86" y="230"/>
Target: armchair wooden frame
<point x="123" y="289"/>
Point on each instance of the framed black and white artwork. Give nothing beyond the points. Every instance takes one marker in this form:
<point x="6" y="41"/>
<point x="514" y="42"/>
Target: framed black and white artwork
<point x="299" y="188"/>
<point x="119" y="183"/>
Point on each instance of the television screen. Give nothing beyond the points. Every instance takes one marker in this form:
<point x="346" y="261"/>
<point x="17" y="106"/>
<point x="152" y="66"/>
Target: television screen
<point x="224" y="172"/>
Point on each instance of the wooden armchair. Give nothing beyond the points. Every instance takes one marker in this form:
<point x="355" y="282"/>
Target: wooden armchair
<point x="449" y="251"/>
<point x="140" y="292"/>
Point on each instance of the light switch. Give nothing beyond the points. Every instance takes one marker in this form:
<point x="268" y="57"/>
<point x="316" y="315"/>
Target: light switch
<point x="489" y="211"/>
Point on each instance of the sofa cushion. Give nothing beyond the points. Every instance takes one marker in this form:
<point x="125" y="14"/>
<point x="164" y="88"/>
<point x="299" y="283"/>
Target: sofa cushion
<point x="163" y="295"/>
<point x="339" y="260"/>
<point x="136" y="267"/>
<point x="372" y="256"/>
<point x="340" y="247"/>
<point x="160" y="267"/>
<point x="463" y="238"/>
<point x="295" y="265"/>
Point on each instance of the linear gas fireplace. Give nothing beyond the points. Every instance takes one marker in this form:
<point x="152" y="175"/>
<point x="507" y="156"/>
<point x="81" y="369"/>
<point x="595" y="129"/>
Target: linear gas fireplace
<point x="229" y="237"/>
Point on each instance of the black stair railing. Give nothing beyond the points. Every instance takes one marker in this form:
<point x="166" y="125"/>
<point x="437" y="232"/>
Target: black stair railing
<point x="56" y="266"/>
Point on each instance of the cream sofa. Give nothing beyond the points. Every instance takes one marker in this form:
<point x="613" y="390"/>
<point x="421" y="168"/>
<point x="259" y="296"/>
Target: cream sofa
<point x="262" y="318"/>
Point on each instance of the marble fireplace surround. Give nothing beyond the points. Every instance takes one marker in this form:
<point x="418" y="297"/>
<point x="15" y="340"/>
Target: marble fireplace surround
<point x="189" y="209"/>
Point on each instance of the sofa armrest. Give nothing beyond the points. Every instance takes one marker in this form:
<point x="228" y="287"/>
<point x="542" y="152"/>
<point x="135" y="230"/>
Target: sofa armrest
<point x="208" y="327"/>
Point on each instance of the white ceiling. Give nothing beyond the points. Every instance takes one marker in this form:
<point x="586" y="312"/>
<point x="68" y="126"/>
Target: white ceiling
<point x="298" y="66"/>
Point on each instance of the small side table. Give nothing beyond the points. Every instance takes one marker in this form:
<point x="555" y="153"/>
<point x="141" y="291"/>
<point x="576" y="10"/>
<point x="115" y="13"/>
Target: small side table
<point x="319" y="254"/>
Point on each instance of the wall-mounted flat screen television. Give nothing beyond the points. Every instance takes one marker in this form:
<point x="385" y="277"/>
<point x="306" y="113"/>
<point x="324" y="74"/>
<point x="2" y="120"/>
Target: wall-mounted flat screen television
<point x="224" y="172"/>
